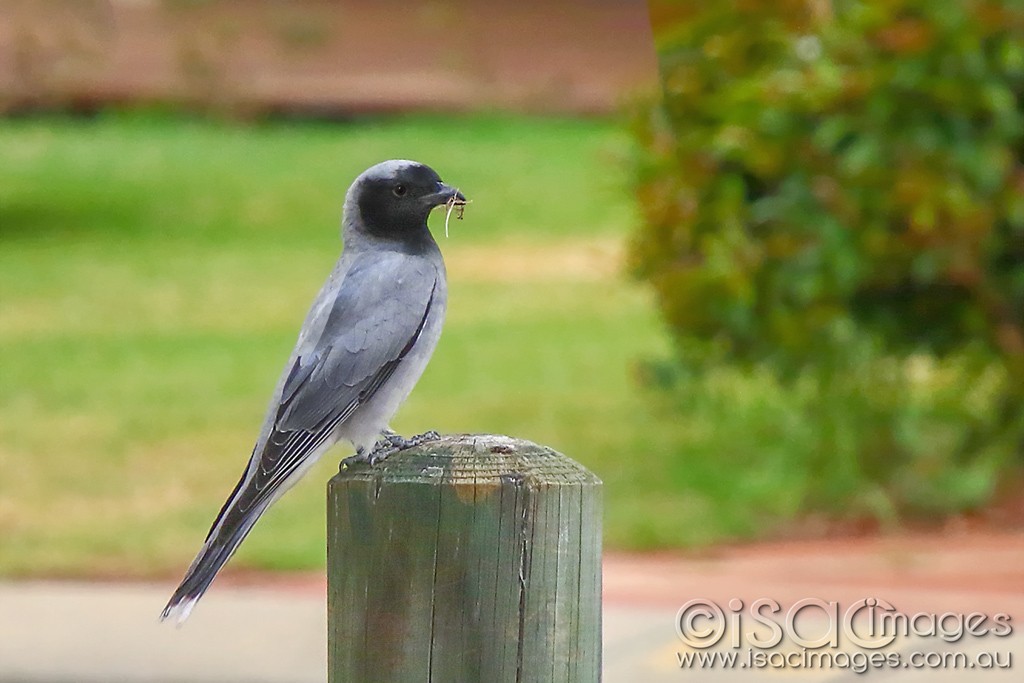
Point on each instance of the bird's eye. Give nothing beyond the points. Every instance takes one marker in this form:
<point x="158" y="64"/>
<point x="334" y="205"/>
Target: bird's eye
<point x="400" y="190"/>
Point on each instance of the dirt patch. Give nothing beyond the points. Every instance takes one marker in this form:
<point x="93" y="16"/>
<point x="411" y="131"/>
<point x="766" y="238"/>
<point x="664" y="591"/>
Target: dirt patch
<point x="937" y="571"/>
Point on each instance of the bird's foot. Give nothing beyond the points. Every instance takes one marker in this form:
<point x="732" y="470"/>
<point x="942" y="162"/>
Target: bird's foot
<point x="359" y="457"/>
<point x="392" y="442"/>
<point x="381" y="450"/>
<point x="421" y="439"/>
<point x="389" y="444"/>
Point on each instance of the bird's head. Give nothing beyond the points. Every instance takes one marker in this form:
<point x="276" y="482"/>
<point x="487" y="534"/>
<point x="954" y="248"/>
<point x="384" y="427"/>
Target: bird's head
<point x="393" y="199"/>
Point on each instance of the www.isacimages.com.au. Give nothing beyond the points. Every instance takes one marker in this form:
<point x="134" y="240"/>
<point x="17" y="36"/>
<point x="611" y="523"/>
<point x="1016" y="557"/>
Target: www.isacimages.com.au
<point x="857" y="662"/>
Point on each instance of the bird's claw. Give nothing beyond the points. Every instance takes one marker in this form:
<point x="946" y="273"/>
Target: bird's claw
<point x="389" y="444"/>
<point x="423" y="438"/>
<point x="392" y="442"/>
<point x="378" y="453"/>
<point x="351" y="460"/>
<point x="381" y="450"/>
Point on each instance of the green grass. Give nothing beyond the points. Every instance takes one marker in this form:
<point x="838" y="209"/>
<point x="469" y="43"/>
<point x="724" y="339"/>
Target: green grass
<point x="154" y="273"/>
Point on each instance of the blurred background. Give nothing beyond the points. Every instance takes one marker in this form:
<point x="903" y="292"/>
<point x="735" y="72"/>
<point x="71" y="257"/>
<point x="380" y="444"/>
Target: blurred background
<point x="828" y="209"/>
<point x="170" y="189"/>
<point x="782" y="298"/>
<point x="832" y="200"/>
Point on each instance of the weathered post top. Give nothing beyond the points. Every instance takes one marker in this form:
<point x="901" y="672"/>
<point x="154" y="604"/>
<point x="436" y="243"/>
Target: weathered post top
<point x="468" y="558"/>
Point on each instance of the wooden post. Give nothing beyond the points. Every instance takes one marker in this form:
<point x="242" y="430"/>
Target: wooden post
<point x="470" y="558"/>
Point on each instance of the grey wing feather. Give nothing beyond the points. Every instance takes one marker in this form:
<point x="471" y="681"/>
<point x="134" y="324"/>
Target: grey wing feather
<point x="368" y="328"/>
<point x="367" y="333"/>
<point x="376" y="316"/>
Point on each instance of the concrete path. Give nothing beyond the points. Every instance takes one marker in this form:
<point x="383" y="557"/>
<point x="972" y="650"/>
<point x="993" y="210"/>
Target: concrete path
<point x="59" y="632"/>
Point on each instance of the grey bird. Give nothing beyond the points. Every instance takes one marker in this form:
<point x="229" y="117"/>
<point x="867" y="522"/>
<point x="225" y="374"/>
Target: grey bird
<point x="364" y="344"/>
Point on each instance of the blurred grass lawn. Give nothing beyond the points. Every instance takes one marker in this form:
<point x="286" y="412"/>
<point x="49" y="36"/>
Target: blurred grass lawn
<point x="154" y="273"/>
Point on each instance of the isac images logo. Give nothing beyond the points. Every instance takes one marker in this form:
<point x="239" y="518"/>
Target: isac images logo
<point x="817" y="634"/>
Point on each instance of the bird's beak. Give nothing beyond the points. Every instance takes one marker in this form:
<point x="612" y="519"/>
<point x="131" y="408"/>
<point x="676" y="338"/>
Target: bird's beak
<point x="445" y="193"/>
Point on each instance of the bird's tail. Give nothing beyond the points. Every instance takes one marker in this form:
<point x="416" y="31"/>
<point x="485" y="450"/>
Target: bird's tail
<point x="255" y="491"/>
<point x="227" y="533"/>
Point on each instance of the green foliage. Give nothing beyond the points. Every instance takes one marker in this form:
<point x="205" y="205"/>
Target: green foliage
<point x="838" y="195"/>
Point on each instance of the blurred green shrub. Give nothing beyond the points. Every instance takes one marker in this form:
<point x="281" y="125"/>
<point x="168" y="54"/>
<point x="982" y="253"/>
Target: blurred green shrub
<point x="834" y="190"/>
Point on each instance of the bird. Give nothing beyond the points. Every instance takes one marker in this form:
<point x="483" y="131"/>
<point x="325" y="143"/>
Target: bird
<point x="364" y="344"/>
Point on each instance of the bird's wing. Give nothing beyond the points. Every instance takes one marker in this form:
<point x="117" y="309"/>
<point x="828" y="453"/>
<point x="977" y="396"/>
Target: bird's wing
<point x="367" y="333"/>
